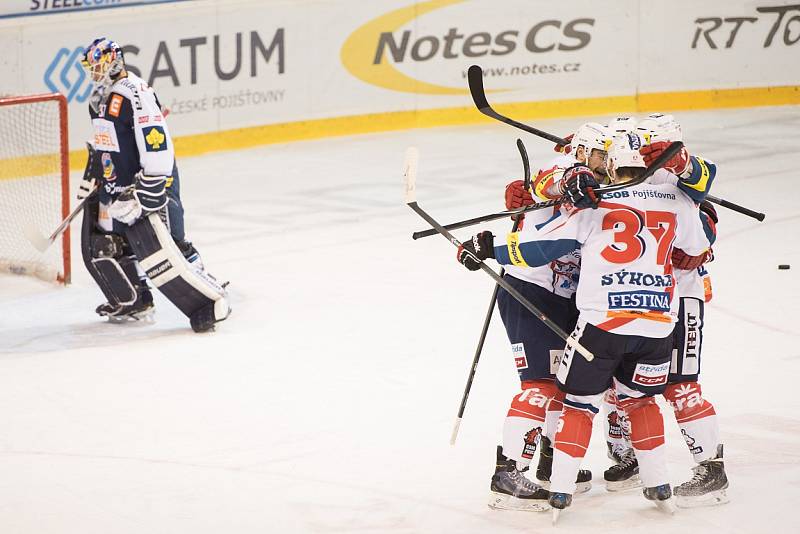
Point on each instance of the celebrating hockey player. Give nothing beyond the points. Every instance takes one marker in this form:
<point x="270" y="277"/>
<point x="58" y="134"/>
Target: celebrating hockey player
<point x="695" y="415"/>
<point x="131" y="180"/>
<point x="533" y="413"/>
<point x="624" y="297"/>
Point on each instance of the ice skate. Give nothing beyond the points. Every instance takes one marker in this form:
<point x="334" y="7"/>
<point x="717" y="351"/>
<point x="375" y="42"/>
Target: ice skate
<point x="661" y="496"/>
<point x="558" y="502"/>
<point x="141" y="310"/>
<point x="623" y="475"/>
<point x="707" y="486"/>
<point x="511" y="489"/>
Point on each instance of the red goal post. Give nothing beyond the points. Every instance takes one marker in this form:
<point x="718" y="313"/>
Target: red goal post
<point x="34" y="184"/>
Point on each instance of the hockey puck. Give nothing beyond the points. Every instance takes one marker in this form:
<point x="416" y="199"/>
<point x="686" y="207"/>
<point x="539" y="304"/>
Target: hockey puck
<point x="783" y="266"/>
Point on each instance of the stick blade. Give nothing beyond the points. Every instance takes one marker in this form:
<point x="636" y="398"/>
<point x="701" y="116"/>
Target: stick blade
<point x="410" y="173"/>
<point x="36" y="239"/>
<point x="475" y="79"/>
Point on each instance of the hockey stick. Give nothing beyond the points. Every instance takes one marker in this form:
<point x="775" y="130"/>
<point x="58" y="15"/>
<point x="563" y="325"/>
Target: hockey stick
<point x="476" y="89"/>
<point x="42" y="243"/>
<point x="475" y="79"/>
<point x="527" y="184"/>
<point x="736" y="207"/>
<point x="410" y="173"/>
<point x="665" y="156"/>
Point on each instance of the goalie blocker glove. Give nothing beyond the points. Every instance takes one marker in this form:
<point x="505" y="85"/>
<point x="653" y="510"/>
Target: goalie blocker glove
<point x="578" y="185"/>
<point x="479" y="247"/>
<point x="146" y="196"/>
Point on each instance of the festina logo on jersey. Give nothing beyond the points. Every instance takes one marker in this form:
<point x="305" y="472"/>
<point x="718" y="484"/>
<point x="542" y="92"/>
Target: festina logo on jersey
<point x="648" y="300"/>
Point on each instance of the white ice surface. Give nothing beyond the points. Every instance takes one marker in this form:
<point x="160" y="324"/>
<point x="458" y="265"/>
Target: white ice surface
<point x="325" y="403"/>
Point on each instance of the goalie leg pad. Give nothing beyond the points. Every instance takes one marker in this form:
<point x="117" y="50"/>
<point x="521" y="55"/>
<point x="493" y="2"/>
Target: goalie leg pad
<point x="192" y="290"/>
<point x="106" y="262"/>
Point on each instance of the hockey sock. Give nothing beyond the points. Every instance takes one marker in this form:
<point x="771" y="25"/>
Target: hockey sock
<point x="553" y="414"/>
<point x="612" y="424"/>
<point x="572" y="440"/>
<point x="525" y="419"/>
<point x="647" y="437"/>
<point x="696" y="418"/>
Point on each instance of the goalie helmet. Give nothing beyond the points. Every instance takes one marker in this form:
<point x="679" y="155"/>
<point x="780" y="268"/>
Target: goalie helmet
<point x="103" y="60"/>
<point x="624" y="152"/>
<point x="621" y="125"/>
<point x="591" y="136"/>
<point x="659" y="127"/>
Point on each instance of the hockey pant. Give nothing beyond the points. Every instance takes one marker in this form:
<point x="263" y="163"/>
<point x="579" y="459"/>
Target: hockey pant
<point x="189" y="288"/>
<point x="575" y="429"/>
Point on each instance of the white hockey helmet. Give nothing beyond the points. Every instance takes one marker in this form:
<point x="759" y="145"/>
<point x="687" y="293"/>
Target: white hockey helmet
<point x="624" y="152"/>
<point x="659" y="127"/>
<point x="591" y="135"/>
<point x="621" y="125"/>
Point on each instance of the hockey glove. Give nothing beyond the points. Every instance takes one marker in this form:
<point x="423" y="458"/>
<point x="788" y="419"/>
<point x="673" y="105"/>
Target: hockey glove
<point x="517" y="196"/>
<point x="578" y="185"/>
<point x="471" y="253"/>
<point x="126" y="208"/>
<point x="679" y="165"/>
<point x="685" y="262"/>
<point x="564" y="149"/>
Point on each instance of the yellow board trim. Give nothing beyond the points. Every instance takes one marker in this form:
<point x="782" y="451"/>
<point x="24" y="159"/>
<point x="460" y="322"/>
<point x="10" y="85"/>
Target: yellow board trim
<point x="240" y="138"/>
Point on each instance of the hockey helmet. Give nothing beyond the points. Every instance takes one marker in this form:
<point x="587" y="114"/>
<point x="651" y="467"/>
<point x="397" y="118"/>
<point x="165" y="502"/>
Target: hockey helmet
<point x="624" y="152"/>
<point x="659" y="127"/>
<point x="591" y="136"/>
<point x="103" y="60"/>
<point x="621" y="125"/>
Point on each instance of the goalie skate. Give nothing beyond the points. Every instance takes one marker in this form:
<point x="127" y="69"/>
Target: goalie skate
<point x="141" y="310"/>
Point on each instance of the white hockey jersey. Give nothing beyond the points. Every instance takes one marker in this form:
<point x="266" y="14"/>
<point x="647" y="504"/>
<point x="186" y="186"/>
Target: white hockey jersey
<point x="695" y="283"/>
<point x="560" y="276"/>
<point x="627" y="284"/>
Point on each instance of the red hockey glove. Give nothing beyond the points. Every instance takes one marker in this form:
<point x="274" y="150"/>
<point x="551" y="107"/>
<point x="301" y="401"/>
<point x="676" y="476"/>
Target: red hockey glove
<point x="473" y="251"/>
<point x="679" y="163"/>
<point x="517" y="196"/>
<point x="685" y="262"/>
<point x="564" y="149"/>
<point x="578" y="185"/>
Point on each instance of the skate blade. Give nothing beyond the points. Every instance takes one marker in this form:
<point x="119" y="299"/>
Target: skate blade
<point x="501" y="501"/>
<point x="556" y="514"/>
<point x="580" y="487"/>
<point x="712" y="498"/>
<point x="666" y="506"/>
<point x="144" y="316"/>
<point x="624" y="485"/>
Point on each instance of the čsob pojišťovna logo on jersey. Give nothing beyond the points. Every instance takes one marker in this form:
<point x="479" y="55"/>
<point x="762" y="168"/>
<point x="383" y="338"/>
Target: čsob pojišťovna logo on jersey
<point x="367" y="51"/>
<point x="65" y="75"/>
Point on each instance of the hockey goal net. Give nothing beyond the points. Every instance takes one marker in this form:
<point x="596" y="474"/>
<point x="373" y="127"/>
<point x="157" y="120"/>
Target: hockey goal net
<point x="34" y="184"/>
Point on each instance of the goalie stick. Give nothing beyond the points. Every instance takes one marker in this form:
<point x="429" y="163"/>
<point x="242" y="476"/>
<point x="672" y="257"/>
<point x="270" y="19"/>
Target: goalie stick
<point x="476" y="89"/>
<point x="657" y="164"/>
<point x="42" y="243"/>
<point x="410" y="174"/>
<point x="526" y="166"/>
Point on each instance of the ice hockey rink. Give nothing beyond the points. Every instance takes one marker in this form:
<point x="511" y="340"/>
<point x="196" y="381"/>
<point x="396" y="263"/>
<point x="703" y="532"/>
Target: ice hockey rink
<point x="325" y="403"/>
